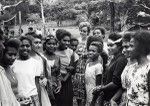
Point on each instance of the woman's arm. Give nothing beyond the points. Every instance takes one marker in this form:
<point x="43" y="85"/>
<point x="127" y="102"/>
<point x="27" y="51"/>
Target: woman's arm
<point x="118" y="95"/>
<point x="98" y="79"/>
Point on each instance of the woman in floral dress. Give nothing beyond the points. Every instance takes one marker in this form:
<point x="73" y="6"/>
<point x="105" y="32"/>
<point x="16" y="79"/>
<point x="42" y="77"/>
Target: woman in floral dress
<point x="138" y="90"/>
<point x="79" y="81"/>
<point x="122" y="92"/>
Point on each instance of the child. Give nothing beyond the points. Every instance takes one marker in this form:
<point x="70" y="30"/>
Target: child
<point x="94" y="69"/>
<point x="74" y="44"/>
<point x="54" y="62"/>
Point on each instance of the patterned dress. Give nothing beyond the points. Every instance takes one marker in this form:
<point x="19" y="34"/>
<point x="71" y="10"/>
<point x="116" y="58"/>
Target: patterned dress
<point x="79" y="77"/>
<point x="137" y="92"/>
<point x="124" y="80"/>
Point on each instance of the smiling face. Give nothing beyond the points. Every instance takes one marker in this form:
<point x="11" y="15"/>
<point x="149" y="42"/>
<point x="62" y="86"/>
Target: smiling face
<point x="10" y="55"/>
<point x="97" y="32"/>
<point x="37" y="44"/>
<point x="112" y="47"/>
<point x="84" y="32"/>
<point x="25" y="49"/>
<point x="51" y="45"/>
<point x="93" y="52"/>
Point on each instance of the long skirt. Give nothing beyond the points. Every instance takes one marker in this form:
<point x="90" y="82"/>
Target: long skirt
<point x="65" y="97"/>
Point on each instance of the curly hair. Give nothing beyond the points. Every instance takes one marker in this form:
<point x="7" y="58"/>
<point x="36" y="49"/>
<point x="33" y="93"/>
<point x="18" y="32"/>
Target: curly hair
<point x="37" y="36"/>
<point x="74" y="39"/>
<point x="85" y="24"/>
<point x="114" y="37"/>
<point x="102" y="29"/>
<point x="26" y="38"/>
<point x="143" y="39"/>
<point x="99" y="46"/>
<point x="13" y="43"/>
<point x="127" y="36"/>
<point x="61" y="33"/>
<point x="93" y="39"/>
<point x="48" y="38"/>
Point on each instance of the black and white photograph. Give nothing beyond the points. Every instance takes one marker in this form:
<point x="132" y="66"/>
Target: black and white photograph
<point x="74" y="52"/>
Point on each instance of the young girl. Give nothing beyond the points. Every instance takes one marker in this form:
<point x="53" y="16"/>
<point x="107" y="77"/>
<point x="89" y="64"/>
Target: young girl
<point x="67" y="60"/>
<point x="94" y="69"/>
<point x="54" y="62"/>
<point x="9" y="56"/>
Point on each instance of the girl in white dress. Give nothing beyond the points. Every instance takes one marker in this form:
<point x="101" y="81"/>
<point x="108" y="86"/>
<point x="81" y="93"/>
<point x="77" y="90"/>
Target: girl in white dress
<point x="94" y="69"/>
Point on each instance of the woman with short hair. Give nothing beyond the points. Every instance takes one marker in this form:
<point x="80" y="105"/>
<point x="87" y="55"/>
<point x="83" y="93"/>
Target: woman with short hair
<point x="7" y="97"/>
<point x="67" y="60"/>
<point x="9" y="56"/>
<point x="139" y="76"/>
<point x="112" y="76"/>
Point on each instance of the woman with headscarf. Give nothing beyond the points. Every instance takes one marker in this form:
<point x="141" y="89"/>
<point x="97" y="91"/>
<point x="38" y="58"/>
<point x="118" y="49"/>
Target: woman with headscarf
<point x="112" y="77"/>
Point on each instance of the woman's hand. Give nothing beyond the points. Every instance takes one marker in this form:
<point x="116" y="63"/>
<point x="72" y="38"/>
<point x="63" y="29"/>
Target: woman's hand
<point x="113" y="103"/>
<point x="43" y="82"/>
<point x="97" y="89"/>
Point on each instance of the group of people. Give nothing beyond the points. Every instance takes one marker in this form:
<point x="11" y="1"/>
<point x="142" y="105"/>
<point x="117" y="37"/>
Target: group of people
<point x="60" y="68"/>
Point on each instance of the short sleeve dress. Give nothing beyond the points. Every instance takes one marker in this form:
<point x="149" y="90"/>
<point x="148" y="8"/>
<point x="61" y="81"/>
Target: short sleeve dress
<point x="137" y="92"/>
<point x="65" y="97"/>
<point x="90" y="80"/>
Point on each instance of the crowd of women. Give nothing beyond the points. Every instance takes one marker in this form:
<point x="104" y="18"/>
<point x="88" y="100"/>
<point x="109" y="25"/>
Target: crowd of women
<point x="59" y="69"/>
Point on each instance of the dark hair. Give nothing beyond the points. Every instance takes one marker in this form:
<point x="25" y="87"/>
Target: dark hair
<point x="73" y="39"/>
<point x="99" y="46"/>
<point x="61" y="33"/>
<point x="29" y="33"/>
<point x="48" y="38"/>
<point x="93" y="39"/>
<point x="31" y="28"/>
<point x="14" y="43"/>
<point x="143" y="39"/>
<point x="101" y="29"/>
<point x="1" y="34"/>
<point x="37" y="36"/>
<point x="114" y="37"/>
<point x="127" y="36"/>
<point x="26" y="38"/>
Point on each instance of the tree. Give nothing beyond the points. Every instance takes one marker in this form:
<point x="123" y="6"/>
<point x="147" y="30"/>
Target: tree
<point x="139" y="6"/>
